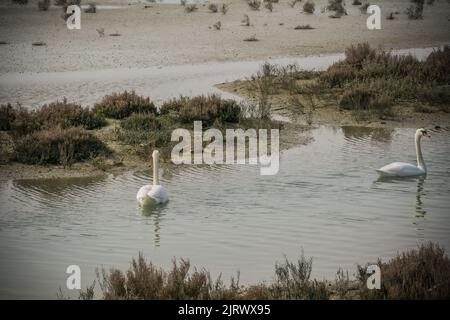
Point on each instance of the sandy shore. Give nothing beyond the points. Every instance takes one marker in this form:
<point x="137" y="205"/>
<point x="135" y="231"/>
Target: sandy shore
<point x="165" y="35"/>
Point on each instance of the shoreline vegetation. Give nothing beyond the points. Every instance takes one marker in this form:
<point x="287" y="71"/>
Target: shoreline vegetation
<point x="416" y="274"/>
<point x="118" y="133"/>
<point x="370" y="87"/>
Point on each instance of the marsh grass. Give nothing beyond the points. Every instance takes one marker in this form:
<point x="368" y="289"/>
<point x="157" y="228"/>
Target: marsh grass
<point x="21" y="121"/>
<point x="189" y="8"/>
<point x="43" y="5"/>
<point x="420" y="273"/>
<point x="254" y="4"/>
<point x="135" y="127"/>
<point x="364" y="7"/>
<point x="213" y="7"/>
<point x="122" y="105"/>
<point x="92" y="8"/>
<point x="337" y="6"/>
<point x="269" y="5"/>
<point x="404" y="78"/>
<point x="39" y="44"/>
<point x="370" y="83"/>
<point x="217" y="25"/>
<point x="224" y="8"/>
<point x="415" y="11"/>
<point x="144" y="280"/>
<point x="58" y="146"/>
<point x="209" y="109"/>
<point x="252" y="38"/>
<point x="304" y="27"/>
<point x="309" y="7"/>
<point x="246" y="21"/>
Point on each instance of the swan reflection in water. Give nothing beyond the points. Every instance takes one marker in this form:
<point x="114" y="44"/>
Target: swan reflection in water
<point x="155" y="213"/>
<point x="420" y="211"/>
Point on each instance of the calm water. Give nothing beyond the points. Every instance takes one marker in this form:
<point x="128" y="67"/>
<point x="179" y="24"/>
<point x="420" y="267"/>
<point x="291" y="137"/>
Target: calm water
<point x="326" y="199"/>
<point x="160" y="83"/>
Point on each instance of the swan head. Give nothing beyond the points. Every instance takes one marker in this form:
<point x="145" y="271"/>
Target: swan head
<point x="155" y="154"/>
<point x="421" y="133"/>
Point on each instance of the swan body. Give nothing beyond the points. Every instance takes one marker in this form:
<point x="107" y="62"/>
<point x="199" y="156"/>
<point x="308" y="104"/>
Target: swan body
<point x="156" y="193"/>
<point x="401" y="169"/>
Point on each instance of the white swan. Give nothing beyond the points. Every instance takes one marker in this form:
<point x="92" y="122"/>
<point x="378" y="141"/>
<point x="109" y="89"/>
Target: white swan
<point x="401" y="169"/>
<point x="156" y="193"/>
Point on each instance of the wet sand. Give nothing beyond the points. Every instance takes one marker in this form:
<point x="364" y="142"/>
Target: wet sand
<point x="165" y="35"/>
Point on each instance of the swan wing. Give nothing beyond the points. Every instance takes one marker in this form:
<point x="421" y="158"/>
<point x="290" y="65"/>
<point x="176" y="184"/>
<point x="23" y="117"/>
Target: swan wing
<point x="400" y="169"/>
<point x="159" y="194"/>
<point x="142" y="193"/>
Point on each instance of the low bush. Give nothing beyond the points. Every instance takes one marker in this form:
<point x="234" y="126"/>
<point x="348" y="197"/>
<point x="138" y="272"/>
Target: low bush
<point x="43" y="5"/>
<point x="122" y="105"/>
<point x="190" y="8"/>
<point x="337" y="6"/>
<point x="21" y="121"/>
<point x="58" y="146"/>
<point x="67" y="115"/>
<point x="254" y="4"/>
<point x="356" y="99"/>
<point x="209" y="109"/>
<point x="417" y="274"/>
<point x="415" y="12"/>
<point x="172" y="105"/>
<point x="141" y="121"/>
<point x="7" y="116"/>
<point x="309" y="7"/>
<point x="213" y="7"/>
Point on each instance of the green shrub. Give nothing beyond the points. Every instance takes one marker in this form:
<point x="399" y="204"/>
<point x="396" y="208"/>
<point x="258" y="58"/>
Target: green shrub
<point x="58" y="146"/>
<point x="122" y="105"/>
<point x="141" y="121"/>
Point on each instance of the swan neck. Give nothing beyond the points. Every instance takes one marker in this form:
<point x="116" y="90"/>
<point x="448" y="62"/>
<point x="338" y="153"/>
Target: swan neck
<point x="155" y="170"/>
<point x="420" y="161"/>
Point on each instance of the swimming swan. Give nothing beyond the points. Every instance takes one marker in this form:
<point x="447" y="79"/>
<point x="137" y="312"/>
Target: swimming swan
<point x="401" y="169"/>
<point x="156" y="193"/>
